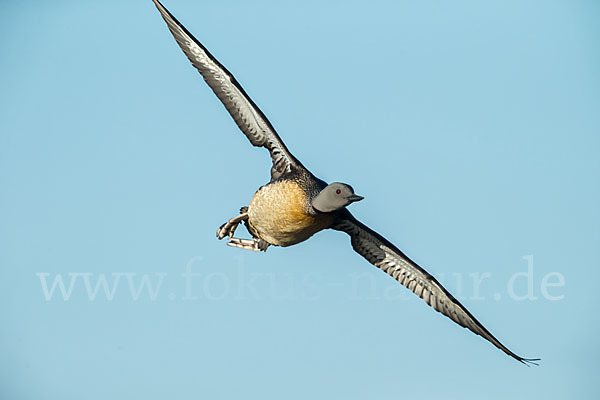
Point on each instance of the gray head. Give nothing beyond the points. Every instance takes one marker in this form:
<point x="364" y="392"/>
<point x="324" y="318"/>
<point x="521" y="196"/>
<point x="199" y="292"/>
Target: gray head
<point x="334" y="197"/>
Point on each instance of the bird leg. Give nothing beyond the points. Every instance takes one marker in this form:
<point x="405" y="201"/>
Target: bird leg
<point x="229" y="227"/>
<point x="249" y="244"/>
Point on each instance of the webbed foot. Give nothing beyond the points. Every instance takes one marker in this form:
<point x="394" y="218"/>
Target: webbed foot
<point x="249" y="244"/>
<point x="229" y="227"/>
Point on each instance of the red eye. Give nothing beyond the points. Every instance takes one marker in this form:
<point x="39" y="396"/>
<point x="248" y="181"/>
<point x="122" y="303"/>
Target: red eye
<point x="338" y="191"/>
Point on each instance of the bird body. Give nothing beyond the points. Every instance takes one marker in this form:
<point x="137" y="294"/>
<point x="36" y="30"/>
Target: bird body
<point x="281" y="213"/>
<point x="295" y="204"/>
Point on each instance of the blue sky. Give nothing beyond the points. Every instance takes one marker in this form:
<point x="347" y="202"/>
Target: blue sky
<point x="472" y="129"/>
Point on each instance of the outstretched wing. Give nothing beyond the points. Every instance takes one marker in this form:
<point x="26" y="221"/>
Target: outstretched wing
<point x="245" y="113"/>
<point x="384" y="255"/>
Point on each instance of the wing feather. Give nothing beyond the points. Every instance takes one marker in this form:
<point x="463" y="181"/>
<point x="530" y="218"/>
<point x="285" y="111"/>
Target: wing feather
<point x="384" y="255"/>
<point x="248" y="117"/>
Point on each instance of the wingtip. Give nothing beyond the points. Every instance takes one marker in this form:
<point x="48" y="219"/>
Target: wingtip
<point x="160" y="7"/>
<point x="530" y="361"/>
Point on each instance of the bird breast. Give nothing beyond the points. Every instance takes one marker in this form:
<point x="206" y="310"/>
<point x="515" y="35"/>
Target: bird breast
<point x="279" y="214"/>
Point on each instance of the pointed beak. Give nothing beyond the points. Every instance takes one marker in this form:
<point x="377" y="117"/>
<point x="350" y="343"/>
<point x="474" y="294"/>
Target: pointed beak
<point x="354" y="198"/>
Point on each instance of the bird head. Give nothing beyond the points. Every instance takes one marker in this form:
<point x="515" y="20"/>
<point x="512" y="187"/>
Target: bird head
<point x="334" y="197"/>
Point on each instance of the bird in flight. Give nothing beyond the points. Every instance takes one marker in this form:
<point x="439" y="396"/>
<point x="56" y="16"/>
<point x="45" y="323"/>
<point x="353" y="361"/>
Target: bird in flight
<point x="295" y="204"/>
